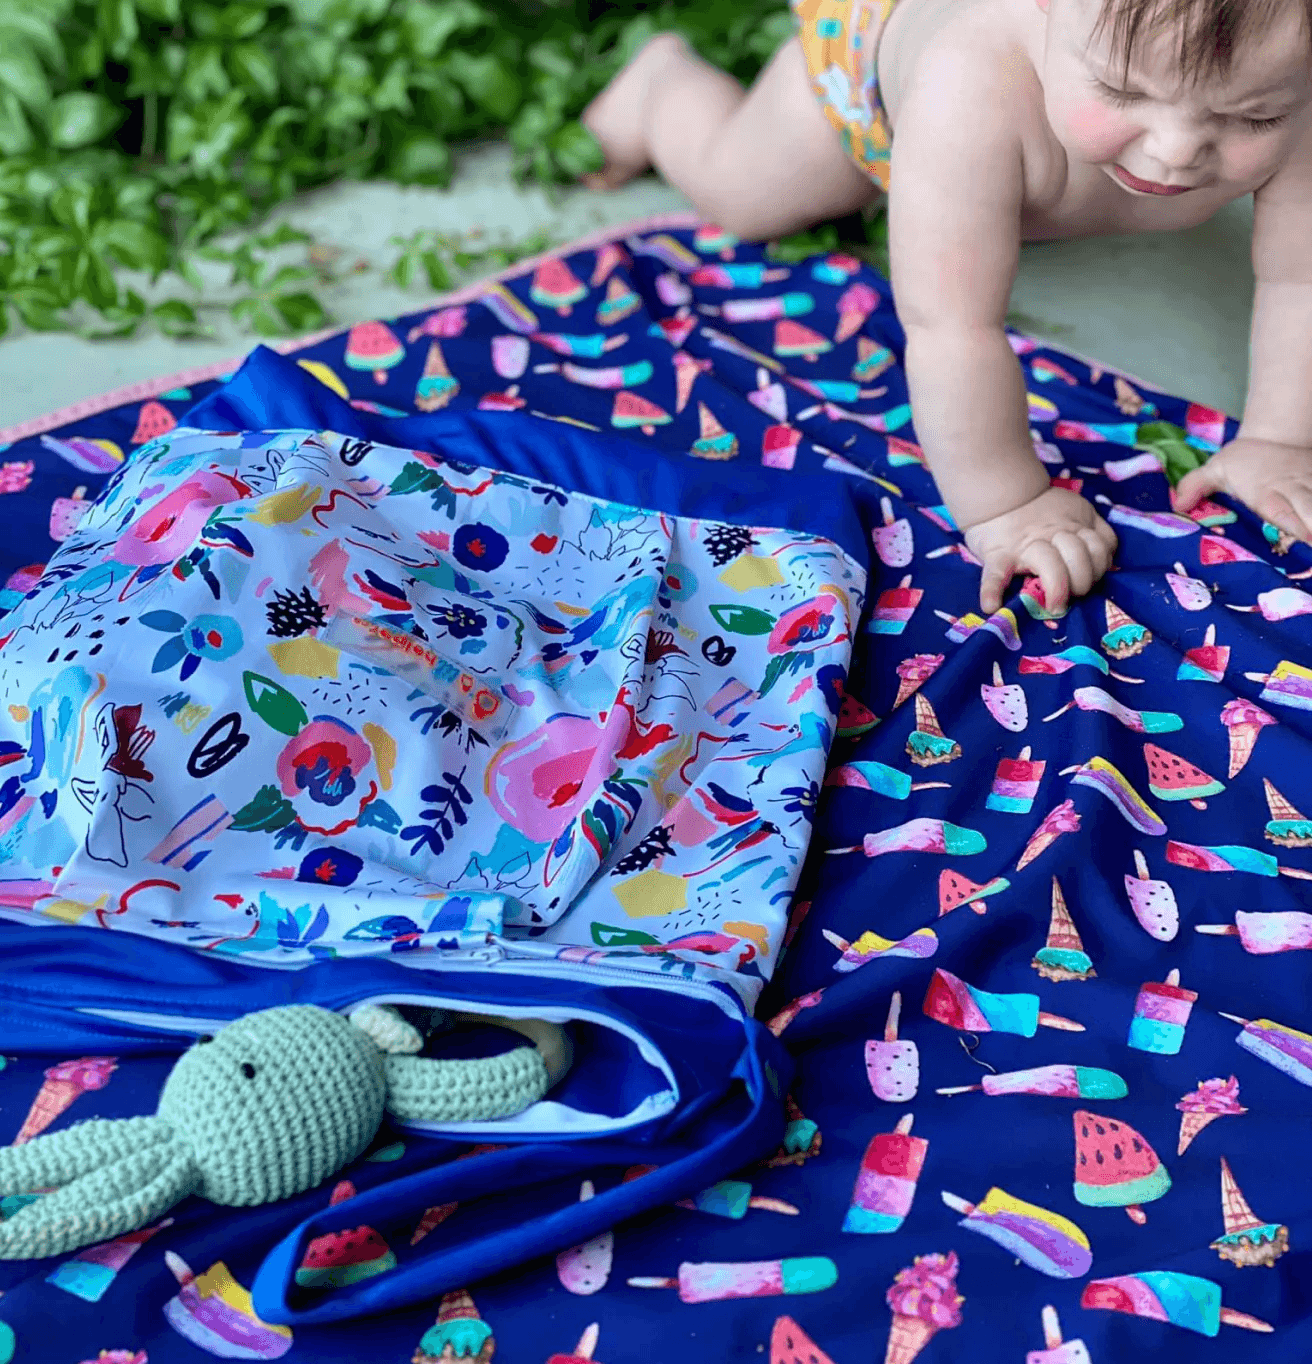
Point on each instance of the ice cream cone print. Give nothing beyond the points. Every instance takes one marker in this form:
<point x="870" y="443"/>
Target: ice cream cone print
<point x="620" y="302"/>
<point x="1288" y="826"/>
<point x="1062" y="957"/>
<point x="459" y="1336"/>
<point x="1245" y="721"/>
<point x="686" y="370"/>
<point x="1211" y="1100"/>
<point x="436" y="385"/>
<point x="714" y="442"/>
<point x="610" y="258"/>
<point x="913" y="673"/>
<point x="927" y="745"/>
<point x="64" y="1083"/>
<point x="855" y="304"/>
<point x="1063" y="819"/>
<point x="924" y="1301"/>
<point x="872" y="360"/>
<point x="1125" y="637"/>
<point x="1247" y="1239"/>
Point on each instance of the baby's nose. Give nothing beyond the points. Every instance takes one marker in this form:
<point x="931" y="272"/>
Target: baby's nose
<point x="1178" y="144"/>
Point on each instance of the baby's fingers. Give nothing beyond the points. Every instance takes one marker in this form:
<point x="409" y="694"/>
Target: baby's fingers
<point x="1291" y="514"/>
<point x="999" y="570"/>
<point x="1100" y="552"/>
<point x="1079" y="562"/>
<point x="1043" y="560"/>
<point x="1198" y="484"/>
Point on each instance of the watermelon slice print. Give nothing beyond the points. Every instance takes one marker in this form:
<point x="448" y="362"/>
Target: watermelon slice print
<point x="1174" y="778"/>
<point x="632" y="409"/>
<point x="373" y="347"/>
<point x="153" y="420"/>
<point x="1115" y="1167"/>
<point x="855" y="718"/>
<point x="789" y="1344"/>
<point x="344" y="1257"/>
<point x="791" y="338"/>
<point x="955" y="890"/>
<point x="556" y="286"/>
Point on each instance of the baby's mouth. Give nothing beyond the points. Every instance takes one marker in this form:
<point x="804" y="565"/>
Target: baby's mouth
<point x="1147" y="186"/>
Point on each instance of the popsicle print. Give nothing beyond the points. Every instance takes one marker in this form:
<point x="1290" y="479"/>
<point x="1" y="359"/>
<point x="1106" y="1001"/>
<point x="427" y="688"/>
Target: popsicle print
<point x="584" y="1269"/>
<point x="1281" y="603"/>
<point x="1001" y="624"/>
<point x="886" y="1181"/>
<point x="1053" y="1082"/>
<point x="1230" y="857"/>
<point x="1287" y="684"/>
<point x="1152" y="901"/>
<point x="1205" y="662"/>
<point x="1005" y="702"/>
<point x="893" y="541"/>
<point x="712" y="1282"/>
<point x="1161" y="1014"/>
<point x="1192" y="593"/>
<point x="1016" y="783"/>
<point x="1287" y="1049"/>
<point x="893" y="1065"/>
<point x="1262" y="933"/>
<point x="732" y="1198"/>
<point x="1168" y="1295"/>
<point x="1036" y="1236"/>
<point x="1140" y="721"/>
<point x="1108" y="780"/>
<point x="951" y="1001"/>
<point x="919" y="835"/>
<point x="1056" y="1350"/>
<point x="1073" y="656"/>
<point x="894" y="607"/>
<point x="584" y="1351"/>
<point x="919" y="945"/>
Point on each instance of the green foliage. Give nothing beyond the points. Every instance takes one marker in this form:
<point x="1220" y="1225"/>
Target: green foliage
<point x="133" y="132"/>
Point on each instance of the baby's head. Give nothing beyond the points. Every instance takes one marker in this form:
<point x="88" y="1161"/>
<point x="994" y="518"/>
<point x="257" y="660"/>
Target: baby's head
<point x="1188" y="94"/>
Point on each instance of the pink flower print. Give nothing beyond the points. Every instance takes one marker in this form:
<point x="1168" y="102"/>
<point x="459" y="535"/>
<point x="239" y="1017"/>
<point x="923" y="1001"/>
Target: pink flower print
<point x="539" y="783"/>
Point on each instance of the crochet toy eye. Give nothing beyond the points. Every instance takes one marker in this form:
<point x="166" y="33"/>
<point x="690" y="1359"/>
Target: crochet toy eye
<point x="248" y="1070"/>
<point x="206" y="1037"/>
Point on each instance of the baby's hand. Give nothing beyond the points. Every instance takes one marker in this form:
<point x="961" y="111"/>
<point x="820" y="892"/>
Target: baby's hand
<point x="1274" y="480"/>
<point x="1058" y="537"/>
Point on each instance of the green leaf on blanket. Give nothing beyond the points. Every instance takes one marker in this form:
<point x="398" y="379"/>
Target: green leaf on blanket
<point x="268" y="812"/>
<point x="415" y="478"/>
<point x="744" y="620"/>
<point x="1168" y="441"/>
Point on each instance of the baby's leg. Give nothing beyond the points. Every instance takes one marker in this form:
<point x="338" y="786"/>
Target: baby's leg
<point x="760" y="163"/>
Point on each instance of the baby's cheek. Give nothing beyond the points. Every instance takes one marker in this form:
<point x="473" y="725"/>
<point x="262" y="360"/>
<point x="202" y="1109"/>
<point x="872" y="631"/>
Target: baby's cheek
<point x="1096" y="132"/>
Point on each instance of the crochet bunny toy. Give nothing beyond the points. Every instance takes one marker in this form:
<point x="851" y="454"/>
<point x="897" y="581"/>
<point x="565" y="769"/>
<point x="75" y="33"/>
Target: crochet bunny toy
<point x="272" y="1105"/>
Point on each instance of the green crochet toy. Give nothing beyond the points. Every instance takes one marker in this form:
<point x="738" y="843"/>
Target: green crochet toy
<point x="272" y="1105"/>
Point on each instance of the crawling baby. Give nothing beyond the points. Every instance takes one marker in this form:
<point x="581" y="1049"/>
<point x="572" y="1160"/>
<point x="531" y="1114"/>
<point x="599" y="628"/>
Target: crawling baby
<point x="1016" y="120"/>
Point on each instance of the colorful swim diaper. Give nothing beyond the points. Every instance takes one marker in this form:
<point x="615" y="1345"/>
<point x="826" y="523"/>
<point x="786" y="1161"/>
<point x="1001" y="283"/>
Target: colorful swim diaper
<point x="841" y="39"/>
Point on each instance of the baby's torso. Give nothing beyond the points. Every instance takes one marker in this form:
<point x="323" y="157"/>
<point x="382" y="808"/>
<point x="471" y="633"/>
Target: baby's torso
<point x="1062" y="198"/>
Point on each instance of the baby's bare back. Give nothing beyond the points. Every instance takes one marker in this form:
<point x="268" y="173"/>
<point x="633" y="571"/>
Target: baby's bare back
<point x="1005" y="38"/>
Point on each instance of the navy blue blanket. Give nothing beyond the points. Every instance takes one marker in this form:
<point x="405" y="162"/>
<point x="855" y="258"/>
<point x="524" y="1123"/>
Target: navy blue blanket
<point x="1046" y="981"/>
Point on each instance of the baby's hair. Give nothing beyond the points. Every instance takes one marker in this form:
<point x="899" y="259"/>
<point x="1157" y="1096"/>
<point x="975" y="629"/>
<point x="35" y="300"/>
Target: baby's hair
<point x="1210" y="32"/>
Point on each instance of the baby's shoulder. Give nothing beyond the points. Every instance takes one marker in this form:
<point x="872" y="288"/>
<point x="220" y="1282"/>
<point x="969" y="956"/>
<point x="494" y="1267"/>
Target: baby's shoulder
<point x="971" y="60"/>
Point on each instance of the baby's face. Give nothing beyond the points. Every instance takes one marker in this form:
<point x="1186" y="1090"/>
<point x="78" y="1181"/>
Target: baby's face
<point x="1153" y="133"/>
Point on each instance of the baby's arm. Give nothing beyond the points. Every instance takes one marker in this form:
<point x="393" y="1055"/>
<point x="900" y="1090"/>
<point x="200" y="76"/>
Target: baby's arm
<point x="1269" y="464"/>
<point x="954" y="238"/>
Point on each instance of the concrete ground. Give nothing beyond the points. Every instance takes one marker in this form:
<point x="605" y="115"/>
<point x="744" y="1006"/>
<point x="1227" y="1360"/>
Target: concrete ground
<point x="1172" y="309"/>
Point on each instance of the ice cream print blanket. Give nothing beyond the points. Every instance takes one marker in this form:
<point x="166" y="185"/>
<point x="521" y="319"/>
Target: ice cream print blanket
<point x="606" y="620"/>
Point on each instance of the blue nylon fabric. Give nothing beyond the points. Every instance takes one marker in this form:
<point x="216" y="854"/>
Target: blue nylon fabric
<point x="1234" y="575"/>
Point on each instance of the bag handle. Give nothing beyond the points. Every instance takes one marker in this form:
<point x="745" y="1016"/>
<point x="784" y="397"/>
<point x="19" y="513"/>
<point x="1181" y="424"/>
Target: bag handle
<point x="699" y="1159"/>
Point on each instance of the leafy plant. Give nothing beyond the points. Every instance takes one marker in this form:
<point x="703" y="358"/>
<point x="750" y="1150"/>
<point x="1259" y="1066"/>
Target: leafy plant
<point x="135" y="132"/>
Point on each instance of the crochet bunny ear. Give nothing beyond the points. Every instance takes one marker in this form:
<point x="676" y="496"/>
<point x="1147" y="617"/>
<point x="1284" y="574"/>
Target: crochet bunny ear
<point x="425" y="1089"/>
<point x="389" y="1031"/>
<point x="109" y="1177"/>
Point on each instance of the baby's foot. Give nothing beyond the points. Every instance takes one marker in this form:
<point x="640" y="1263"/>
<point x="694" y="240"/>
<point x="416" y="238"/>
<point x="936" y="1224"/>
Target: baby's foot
<point x="617" y="118"/>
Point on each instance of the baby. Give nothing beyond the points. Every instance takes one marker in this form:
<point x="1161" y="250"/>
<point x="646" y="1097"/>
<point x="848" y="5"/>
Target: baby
<point x="1016" y="120"/>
